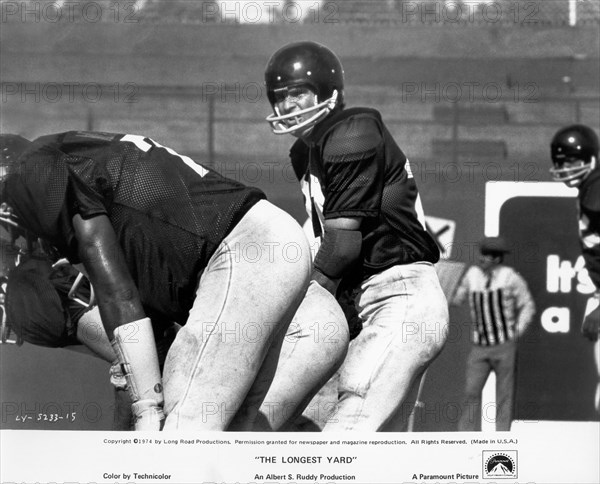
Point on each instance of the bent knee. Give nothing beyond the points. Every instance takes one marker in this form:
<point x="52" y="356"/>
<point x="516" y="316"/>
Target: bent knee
<point x="426" y="338"/>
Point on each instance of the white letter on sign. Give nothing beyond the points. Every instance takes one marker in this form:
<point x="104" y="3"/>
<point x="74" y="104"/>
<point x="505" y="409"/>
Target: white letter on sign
<point x="556" y="320"/>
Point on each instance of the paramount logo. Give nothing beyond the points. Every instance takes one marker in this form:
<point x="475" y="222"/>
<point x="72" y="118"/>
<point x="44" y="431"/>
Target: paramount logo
<point x="499" y="465"/>
<point x="500" y="470"/>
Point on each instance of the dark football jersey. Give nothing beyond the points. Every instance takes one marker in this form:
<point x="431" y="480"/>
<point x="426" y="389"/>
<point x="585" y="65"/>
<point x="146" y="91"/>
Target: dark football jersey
<point x="354" y="168"/>
<point x="168" y="212"/>
<point x="589" y="224"/>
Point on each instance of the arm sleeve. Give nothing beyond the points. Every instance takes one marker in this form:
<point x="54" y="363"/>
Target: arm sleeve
<point x="87" y="192"/>
<point x="354" y="167"/>
<point x="525" y="306"/>
<point x="460" y="295"/>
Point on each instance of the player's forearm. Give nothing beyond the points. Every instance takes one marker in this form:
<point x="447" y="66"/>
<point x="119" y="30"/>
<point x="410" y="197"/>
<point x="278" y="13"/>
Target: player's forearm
<point x="123" y="317"/>
<point x="103" y="260"/>
<point x="116" y="293"/>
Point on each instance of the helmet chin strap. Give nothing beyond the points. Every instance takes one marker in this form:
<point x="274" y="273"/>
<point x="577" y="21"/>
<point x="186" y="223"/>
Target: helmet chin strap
<point x="278" y="121"/>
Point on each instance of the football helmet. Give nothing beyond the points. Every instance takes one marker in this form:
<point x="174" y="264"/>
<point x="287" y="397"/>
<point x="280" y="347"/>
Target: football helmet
<point x="303" y="64"/>
<point x="75" y="293"/>
<point x="11" y="147"/>
<point x="54" y="293"/>
<point x="574" y="151"/>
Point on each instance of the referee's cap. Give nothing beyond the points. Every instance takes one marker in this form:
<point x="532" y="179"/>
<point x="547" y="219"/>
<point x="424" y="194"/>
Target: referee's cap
<point x="493" y="246"/>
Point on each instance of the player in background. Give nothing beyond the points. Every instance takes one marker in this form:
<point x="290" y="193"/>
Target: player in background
<point x="51" y="304"/>
<point x="574" y="152"/>
<point x="161" y="236"/>
<point x="48" y="299"/>
<point x="364" y="204"/>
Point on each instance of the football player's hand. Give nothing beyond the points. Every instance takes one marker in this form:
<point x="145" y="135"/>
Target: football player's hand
<point x="148" y="415"/>
<point x="591" y="325"/>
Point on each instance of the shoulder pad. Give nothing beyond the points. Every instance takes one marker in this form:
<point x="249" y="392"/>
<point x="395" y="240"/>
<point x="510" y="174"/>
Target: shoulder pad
<point x="340" y="115"/>
<point x="353" y="138"/>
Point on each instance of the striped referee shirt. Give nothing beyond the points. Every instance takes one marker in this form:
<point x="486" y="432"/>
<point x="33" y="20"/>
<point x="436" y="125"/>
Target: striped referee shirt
<point x="501" y="304"/>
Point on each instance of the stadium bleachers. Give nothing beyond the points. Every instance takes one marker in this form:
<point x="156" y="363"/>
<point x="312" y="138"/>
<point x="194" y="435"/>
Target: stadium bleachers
<point x="524" y="13"/>
<point x="489" y="94"/>
<point x="469" y="102"/>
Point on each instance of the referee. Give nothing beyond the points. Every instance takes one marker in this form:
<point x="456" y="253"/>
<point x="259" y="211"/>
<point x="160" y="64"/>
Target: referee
<point x="501" y="309"/>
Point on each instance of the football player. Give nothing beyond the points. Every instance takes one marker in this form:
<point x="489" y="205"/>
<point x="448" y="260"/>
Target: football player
<point x="161" y="236"/>
<point x="46" y="304"/>
<point x="364" y="205"/>
<point x="52" y="305"/>
<point x="574" y="152"/>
